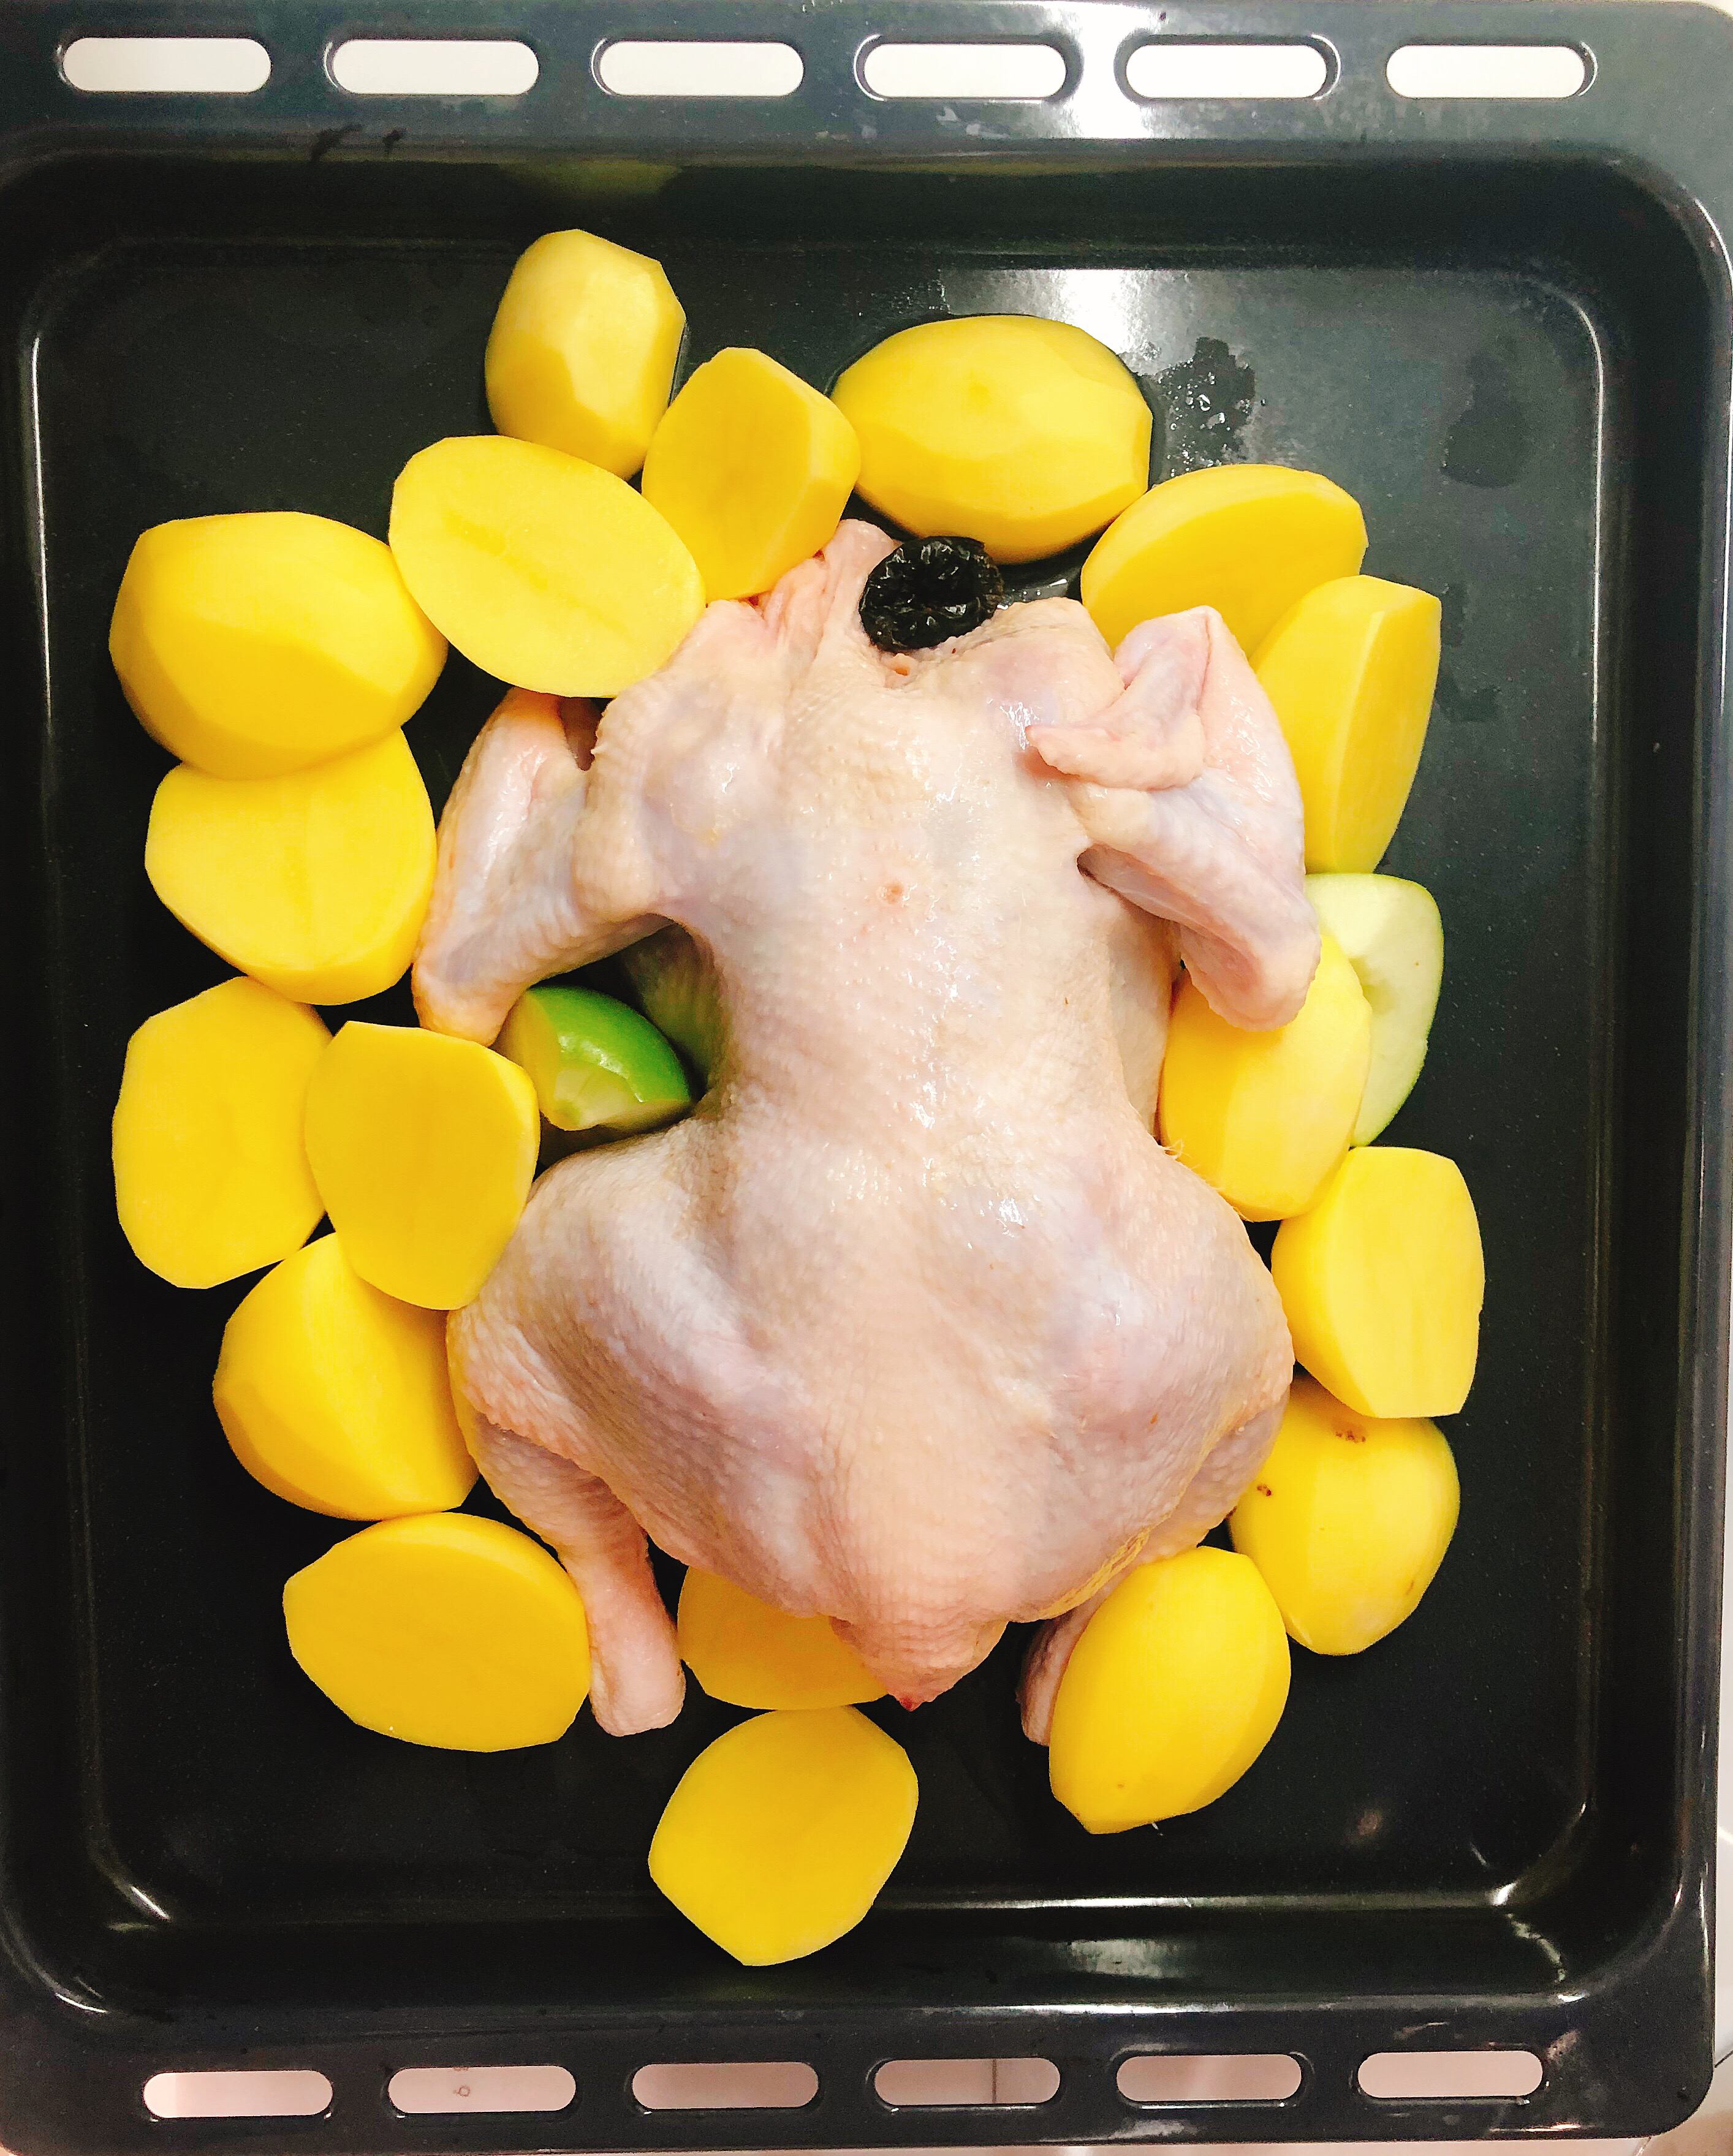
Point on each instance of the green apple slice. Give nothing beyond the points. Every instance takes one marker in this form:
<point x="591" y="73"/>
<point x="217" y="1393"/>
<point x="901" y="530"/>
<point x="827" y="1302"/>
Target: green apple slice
<point x="1391" y="931"/>
<point x="596" y="1064"/>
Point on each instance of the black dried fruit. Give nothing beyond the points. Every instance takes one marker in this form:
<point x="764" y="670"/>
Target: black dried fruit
<point x="930" y="589"/>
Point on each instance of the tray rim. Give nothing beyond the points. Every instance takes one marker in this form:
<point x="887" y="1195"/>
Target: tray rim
<point x="73" y="2066"/>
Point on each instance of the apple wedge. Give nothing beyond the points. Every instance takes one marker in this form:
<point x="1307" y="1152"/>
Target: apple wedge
<point x="1394" y="939"/>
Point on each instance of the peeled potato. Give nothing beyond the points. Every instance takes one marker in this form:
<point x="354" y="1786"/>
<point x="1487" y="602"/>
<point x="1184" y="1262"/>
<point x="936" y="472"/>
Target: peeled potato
<point x="1350" y="670"/>
<point x="1174" y="1687"/>
<point x="1348" y="1521"/>
<point x="582" y="349"/>
<point x="254" y="644"/>
<point x="445" y="1630"/>
<point x="424" y="1148"/>
<point x="744" y="1651"/>
<point x="211" y="1174"/>
<point x="315" y="884"/>
<point x="1025" y="434"/>
<point x="1245" y="539"/>
<point x="1382" y="1281"/>
<point x="336" y="1397"/>
<point x="549" y="573"/>
<point x="779" y="1835"/>
<point x="753" y="468"/>
<point x="1391" y="934"/>
<point x="1265" y="1116"/>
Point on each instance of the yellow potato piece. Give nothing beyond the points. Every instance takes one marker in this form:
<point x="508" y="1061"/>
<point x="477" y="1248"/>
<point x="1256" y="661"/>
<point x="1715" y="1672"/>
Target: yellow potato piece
<point x="1245" y="539"/>
<point x="1348" y="1521"/>
<point x="443" y="1630"/>
<point x="547" y="572"/>
<point x="752" y="467"/>
<point x="779" y="1835"/>
<point x="1025" y="434"/>
<point x="583" y="349"/>
<point x="211" y="1174"/>
<point x="251" y="645"/>
<point x="1176" y="1686"/>
<point x="1265" y="1116"/>
<point x="423" y="1149"/>
<point x="1382" y="1281"/>
<point x="336" y="1397"/>
<point x="1351" y="668"/>
<point x="744" y="1651"/>
<point x="315" y="884"/>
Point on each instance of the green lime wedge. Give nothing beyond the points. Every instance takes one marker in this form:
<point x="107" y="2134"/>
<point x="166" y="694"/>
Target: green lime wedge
<point x="596" y="1064"/>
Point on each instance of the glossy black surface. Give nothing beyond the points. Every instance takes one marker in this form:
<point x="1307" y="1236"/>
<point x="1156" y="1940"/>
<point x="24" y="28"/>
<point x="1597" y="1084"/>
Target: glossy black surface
<point x="1491" y="1830"/>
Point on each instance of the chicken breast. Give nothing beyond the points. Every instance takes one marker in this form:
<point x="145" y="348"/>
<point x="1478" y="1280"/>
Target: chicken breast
<point x="912" y="1323"/>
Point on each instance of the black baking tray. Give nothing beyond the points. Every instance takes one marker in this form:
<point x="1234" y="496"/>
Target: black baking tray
<point x="1505" y="328"/>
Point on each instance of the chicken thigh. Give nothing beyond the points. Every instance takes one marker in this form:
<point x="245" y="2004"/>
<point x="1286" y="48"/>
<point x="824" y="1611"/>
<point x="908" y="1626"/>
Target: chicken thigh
<point x="912" y="1323"/>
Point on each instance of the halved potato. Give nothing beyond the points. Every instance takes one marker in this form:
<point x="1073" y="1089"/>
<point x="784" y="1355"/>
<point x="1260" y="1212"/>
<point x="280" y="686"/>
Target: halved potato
<point x="424" y="1148"/>
<point x="444" y="1629"/>
<point x="1176" y="1686"/>
<point x="1348" y="1520"/>
<point x="780" y="1833"/>
<point x="744" y="1651"/>
<point x="251" y="645"/>
<point x="1024" y="433"/>
<point x="336" y="1397"/>
<point x="211" y="1173"/>
<point x="1382" y="1281"/>
<point x="316" y="883"/>
<point x="1351" y="668"/>
<point x="545" y="571"/>
<point x="753" y="468"/>
<point x="1245" y="539"/>
<point x="1263" y="1118"/>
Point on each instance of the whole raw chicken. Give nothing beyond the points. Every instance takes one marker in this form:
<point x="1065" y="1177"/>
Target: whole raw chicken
<point x="912" y="1323"/>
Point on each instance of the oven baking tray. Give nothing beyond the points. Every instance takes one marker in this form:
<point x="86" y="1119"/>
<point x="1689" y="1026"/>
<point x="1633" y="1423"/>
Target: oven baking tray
<point x="1504" y="326"/>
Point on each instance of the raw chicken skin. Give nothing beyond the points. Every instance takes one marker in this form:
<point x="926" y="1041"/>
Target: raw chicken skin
<point x="912" y="1323"/>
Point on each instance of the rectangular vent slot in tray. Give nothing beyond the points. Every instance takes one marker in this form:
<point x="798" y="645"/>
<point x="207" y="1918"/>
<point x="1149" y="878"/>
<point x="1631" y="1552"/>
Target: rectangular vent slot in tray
<point x="137" y="66"/>
<point x="677" y="67"/>
<point x="1000" y="71"/>
<point x="434" y="67"/>
<point x="1180" y="68"/>
<point x="1487" y="71"/>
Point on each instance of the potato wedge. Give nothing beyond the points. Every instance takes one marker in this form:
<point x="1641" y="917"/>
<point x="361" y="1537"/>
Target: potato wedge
<point x="445" y="1630"/>
<point x="315" y="884"/>
<point x="252" y="645"/>
<point x="1245" y="539"/>
<point x="211" y="1173"/>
